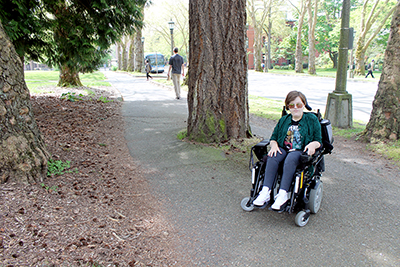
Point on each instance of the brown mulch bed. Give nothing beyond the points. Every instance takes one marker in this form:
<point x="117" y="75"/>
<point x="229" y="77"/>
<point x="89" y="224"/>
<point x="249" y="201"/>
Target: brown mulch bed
<point x="99" y="212"/>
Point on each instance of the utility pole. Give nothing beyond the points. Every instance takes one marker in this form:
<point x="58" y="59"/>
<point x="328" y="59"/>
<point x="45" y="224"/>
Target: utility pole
<point x="339" y="105"/>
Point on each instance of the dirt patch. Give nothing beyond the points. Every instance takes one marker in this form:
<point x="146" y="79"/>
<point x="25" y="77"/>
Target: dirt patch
<point x="100" y="212"/>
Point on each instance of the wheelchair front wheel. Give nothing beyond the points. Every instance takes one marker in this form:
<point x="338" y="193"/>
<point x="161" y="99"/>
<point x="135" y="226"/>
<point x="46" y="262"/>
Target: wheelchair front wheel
<point x="245" y="206"/>
<point x="302" y="218"/>
<point x="316" y="197"/>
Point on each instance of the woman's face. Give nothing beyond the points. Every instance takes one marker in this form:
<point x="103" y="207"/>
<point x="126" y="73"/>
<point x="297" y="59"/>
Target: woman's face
<point x="296" y="108"/>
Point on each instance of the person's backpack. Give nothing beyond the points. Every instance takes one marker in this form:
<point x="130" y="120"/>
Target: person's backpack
<point x="369" y="66"/>
<point x="150" y="68"/>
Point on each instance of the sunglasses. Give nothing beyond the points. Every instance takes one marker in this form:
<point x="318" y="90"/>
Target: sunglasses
<point x="298" y="105"/>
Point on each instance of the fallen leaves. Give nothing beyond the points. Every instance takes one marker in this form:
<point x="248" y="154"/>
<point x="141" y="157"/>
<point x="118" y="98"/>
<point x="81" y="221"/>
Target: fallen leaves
<point x="101" y="214"/>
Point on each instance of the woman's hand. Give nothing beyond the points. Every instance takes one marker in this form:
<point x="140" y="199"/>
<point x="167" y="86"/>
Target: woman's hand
<point x="311" y="147"/>
<point x="274" y="149"/>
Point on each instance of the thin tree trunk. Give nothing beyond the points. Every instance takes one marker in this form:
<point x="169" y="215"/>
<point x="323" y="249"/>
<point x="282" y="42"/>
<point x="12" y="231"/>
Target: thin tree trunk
<point x="385" y="116"/>
<point x="131" y="54"/>
<point x="299" y="51"/>
<point x="312" y="21"/>
<point x="124" y="55"/>
<point x="217" y="98"/>
<point x="119" y="56"/>
<point x="23" y="154"/>
<point x="139" y="53"/>
<point x="258" y="24"/>
<point x="268" y="65"/>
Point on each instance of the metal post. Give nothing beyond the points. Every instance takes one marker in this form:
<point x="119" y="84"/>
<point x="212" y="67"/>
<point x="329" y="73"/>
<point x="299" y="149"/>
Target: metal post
<point x="172" y="42"/>
<point x="339" y="106"/>
<point x="171" y="27"/>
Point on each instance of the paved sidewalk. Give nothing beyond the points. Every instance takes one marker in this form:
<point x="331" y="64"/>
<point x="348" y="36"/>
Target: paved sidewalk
<point x="201" y="189"/>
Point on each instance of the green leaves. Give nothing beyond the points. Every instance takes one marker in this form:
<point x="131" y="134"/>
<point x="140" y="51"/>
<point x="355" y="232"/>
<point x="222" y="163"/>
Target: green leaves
<point x="57" y="167"/>
<point x="76" y="34"/>
<point x="71" y="97"/>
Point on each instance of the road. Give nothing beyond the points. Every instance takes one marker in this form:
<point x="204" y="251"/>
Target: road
<point x="200" y="190"/>
<point x="316" y="90"/>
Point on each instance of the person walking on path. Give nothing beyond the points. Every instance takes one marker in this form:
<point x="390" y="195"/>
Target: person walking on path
<point x="176" y="64"/>
<point x="370" y="69"/>
<point x="148" y="69"/>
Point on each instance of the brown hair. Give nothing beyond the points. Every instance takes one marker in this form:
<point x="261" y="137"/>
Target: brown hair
<point x="292" y="95"/>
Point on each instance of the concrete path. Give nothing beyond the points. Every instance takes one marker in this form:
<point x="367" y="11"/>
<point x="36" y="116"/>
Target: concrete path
<point x="201" y="189"/>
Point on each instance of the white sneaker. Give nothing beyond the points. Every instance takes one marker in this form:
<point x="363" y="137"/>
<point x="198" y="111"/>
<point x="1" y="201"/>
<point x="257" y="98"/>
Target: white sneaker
<point x="281" y="199"/>
<point x="263" y="196"/>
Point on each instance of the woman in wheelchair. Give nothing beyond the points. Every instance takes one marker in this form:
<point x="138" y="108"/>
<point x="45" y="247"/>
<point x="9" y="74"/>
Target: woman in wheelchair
<point x="295" y="133"/>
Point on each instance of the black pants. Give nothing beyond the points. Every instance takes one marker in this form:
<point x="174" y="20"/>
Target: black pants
<point x="148" y="76"/>
<point x="370" y="72"/>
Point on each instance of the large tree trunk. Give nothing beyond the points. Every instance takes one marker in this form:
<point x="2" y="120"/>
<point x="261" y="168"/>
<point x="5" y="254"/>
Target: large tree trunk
<point x="299" y="51"/>
<point x="217" y="98"/>
<point x="23" y="155"/>
<point x="385" y="117"/>
<point x="69" y="77"/>
<point x="384" y="122"/>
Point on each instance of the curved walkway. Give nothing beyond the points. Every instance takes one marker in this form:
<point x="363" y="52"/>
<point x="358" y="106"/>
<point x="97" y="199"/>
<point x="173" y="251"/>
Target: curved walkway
<point x="201" y="190"/>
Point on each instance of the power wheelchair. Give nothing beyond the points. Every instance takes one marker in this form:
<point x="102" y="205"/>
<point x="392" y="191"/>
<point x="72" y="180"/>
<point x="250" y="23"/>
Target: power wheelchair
<point x="306" y="190"/>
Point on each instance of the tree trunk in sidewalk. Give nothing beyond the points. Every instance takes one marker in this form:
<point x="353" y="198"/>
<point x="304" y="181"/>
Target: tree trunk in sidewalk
<point x="385" y="116"/>
<point x="217" y="97"/>
<point x="23" y="155"/>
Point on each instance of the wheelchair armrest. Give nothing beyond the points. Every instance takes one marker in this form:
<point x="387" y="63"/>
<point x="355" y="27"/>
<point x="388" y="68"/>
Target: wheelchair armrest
<point x="306" y="159"/>
<point x="261" y="149"/>
<point x="263" y="143"/>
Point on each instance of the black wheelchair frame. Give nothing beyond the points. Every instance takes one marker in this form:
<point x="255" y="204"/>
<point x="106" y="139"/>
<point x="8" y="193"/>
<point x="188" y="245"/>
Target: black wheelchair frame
<point x="306" y="189"/>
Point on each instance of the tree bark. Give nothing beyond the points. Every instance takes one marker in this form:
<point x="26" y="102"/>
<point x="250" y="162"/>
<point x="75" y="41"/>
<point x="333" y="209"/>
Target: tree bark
<point x="312" y="21"/>
<point x="69" y="77"/>
<point x="119" y="56"/>
<point x="334" y="58"/>
<point x="124" y="54"/>
<point x="384" y="122"/>
<point x="139" y="53"/>
<point x="217" y="97"/>
<point x="23" y="155"/>
<point x="299" y="51"/>
<point x="131" y="53"/>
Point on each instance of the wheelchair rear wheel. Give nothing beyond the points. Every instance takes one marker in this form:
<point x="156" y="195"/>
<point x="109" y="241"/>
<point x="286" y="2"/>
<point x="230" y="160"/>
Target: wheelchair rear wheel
<point x="316" y="197"/>
<point x="244" y="205"/>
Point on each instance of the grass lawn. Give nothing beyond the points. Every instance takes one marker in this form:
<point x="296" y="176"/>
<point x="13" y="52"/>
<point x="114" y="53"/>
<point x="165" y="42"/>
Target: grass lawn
<point x="37" y="81"/>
